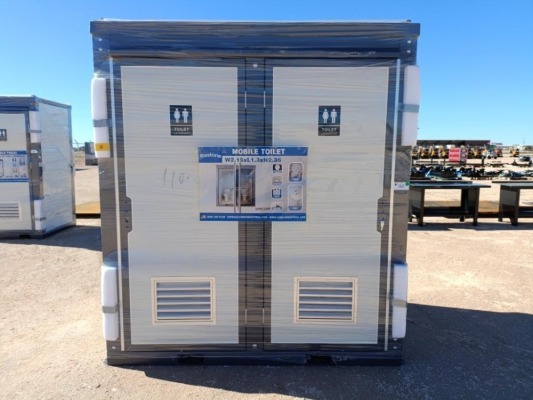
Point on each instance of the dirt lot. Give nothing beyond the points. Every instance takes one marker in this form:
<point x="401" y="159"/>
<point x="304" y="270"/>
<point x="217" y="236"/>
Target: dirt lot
<point x="470" y="324"/>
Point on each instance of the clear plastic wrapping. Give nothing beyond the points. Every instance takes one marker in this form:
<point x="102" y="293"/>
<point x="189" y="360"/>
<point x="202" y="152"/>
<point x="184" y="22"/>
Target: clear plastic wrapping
<point x="255" y="199"/>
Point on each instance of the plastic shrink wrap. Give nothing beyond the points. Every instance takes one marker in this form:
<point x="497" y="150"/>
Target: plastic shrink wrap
<point x="254" y="188"/>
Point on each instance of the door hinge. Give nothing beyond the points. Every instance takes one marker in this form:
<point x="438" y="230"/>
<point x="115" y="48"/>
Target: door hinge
<point x="263" y="316"/>
<point x="245" y="99"/>
<point x="264" y="99"/>
<point x="245" y="316"/>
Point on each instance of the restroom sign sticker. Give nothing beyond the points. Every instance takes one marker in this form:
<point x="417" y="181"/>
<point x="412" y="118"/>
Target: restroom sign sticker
<point x="329" y="120"/>
<point x="180" y="120"/>
<point x="3" y="135"/>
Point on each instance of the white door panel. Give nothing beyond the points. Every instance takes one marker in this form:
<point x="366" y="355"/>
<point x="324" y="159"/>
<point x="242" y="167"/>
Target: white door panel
<point x="168" y="241"/>
<point x="339" y="241"/>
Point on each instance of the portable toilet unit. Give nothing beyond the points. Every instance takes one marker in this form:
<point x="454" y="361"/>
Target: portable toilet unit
<point x="254" y="186"/>
<point x="36" y="167"/>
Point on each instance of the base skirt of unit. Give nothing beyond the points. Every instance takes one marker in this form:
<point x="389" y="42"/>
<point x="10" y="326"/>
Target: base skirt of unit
<point x="119" y="358"/>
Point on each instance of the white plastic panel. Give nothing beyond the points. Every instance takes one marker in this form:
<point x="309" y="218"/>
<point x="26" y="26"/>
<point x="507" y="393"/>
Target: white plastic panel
<point x="39" y="215"/>
<point x="99" y="114"/>
<point x="168" y="240"/>
<point x="411" y="101"/>
<point x="109" y="302"/>
<point x="58" y="166"/>
<point x="399" y="307"/>
<point x="12" y="192"/>
<point x="339" y="239"/>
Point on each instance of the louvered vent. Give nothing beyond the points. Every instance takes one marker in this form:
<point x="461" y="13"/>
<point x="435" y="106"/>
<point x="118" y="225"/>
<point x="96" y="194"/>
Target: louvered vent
<point x="326" y="300"/>
<point x="183" y="300"/>
<point x="9" y="211"/>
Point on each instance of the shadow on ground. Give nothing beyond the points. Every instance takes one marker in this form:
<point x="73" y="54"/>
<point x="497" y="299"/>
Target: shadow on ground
<point x="80" y="236"/>
<point x="449" y="353"/>
<point x="492" y="224"/>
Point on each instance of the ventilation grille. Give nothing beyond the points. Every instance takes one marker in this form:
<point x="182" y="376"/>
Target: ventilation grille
<point x="183" y="300"/>
<point x="326" y="300"/>
<point x="9" y="211"/>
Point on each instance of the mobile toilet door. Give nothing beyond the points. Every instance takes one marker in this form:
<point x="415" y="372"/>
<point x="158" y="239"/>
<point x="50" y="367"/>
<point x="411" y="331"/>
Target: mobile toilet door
<point x="183" y="274"/>
<point x="267" y="284"/>
<point x="327" y="273"/>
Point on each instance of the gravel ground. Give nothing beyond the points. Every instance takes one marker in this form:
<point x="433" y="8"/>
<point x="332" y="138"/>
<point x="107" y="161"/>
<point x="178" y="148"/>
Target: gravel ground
<point x="470" y="324"/>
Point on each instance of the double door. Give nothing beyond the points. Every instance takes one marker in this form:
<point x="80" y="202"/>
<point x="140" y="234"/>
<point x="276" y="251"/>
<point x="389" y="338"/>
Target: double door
<point x="196" y="284"/>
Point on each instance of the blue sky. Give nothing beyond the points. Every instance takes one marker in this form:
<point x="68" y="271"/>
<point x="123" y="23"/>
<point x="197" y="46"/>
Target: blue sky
<point x="476" y="56"/>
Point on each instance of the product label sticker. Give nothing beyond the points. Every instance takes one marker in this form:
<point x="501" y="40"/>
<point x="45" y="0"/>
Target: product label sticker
<point x="399" y="186"/>
<point x="3" y="135"/>
<point x="180" y="120"/>
<point x="329" y="120"/>
<point x="253" y="183"/>
<point x="13" y="166"/>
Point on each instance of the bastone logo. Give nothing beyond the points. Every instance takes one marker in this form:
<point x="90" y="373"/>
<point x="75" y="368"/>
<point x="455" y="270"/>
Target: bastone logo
<point x="181" y="118"/>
